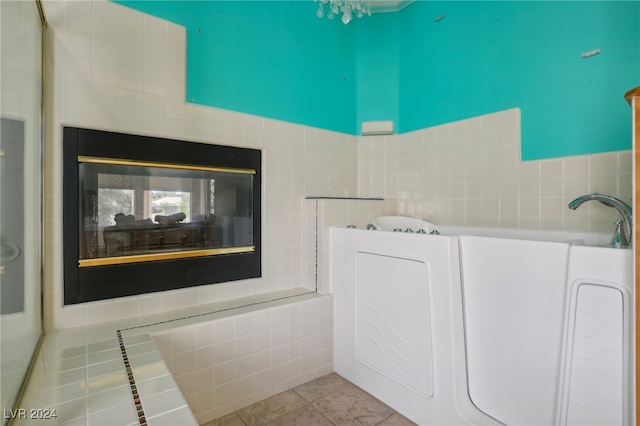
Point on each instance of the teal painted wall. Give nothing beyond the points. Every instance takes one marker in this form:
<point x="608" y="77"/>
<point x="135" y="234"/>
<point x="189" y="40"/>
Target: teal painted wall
<point x="270" y="58"/>
<point x="489" y="56"/>
<point x="377" y="68"/>
<point x="277" y="59"/>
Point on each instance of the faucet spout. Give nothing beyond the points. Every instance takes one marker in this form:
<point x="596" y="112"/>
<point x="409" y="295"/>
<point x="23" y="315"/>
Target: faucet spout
<point x="609" y="201"/>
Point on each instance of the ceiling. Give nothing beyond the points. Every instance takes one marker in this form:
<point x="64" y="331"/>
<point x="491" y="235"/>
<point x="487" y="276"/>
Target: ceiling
<point x="384" y="6"/>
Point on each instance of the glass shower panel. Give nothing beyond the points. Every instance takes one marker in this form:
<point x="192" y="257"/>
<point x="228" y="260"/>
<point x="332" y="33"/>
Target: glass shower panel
<point x="20" y="194"/>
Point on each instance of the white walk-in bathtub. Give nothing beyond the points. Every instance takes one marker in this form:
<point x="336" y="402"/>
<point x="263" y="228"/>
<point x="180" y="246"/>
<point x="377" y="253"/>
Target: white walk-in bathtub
<point x="466" y="328"/>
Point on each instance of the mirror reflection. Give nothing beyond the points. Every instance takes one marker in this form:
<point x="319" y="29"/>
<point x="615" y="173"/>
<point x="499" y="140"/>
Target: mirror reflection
<point x="20" y="194"/>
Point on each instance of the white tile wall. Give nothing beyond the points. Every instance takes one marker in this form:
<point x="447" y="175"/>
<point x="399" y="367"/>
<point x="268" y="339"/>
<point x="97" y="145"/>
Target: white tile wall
<point x="229" y="363"/>
<point x="320" y="215"/>
<point x="117" y="69"/>
<point x="469" y="173"/>
<point x="113" y="68"/>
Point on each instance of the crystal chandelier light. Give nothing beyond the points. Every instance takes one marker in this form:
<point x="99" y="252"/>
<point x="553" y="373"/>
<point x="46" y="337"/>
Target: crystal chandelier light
<point x="347" y="7"/>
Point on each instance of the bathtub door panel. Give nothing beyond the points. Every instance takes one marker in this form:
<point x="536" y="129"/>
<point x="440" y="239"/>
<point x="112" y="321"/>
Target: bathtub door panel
<point x="514" y="297"/>
<point x="596" y="383"/>
<point x="393" y="320"/>
<point x="394" y="307"/>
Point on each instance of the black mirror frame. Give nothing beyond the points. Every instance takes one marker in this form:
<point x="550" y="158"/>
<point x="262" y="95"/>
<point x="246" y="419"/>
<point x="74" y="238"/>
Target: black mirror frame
<point x="112" y="281"/>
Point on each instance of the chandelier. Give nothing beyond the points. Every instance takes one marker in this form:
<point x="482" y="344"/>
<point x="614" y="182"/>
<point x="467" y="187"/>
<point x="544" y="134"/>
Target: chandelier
<point x="347" y="7"/>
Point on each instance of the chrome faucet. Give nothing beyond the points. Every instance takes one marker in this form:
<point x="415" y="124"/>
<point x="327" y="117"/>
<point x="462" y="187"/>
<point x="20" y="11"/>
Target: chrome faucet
<point x="623" y="208"/>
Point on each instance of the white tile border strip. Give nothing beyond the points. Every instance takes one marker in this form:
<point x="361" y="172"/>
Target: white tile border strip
<point x="132" y="381"/>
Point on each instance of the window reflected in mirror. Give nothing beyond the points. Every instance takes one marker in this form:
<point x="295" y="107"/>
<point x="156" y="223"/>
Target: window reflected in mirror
<point x="135" y="209"/>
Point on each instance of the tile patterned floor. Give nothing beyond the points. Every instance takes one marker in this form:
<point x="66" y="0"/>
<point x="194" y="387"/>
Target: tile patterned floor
<point x="326" y="401"/>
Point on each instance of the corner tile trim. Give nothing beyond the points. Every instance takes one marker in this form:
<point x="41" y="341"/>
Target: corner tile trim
<point x="232" y="308"/>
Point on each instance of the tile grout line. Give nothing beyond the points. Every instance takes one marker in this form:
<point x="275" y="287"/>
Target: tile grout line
<point x="132" y="382"/>
<point x="310" y="405"/>
<point x="316" y="253"/>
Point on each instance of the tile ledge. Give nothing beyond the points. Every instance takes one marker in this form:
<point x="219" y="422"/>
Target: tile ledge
<point x="100" y="337"/>
<point x="226" y="308"/>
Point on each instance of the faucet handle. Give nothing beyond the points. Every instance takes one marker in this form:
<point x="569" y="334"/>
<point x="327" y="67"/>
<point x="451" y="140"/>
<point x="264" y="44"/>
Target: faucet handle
<point x="618" y="239"/>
